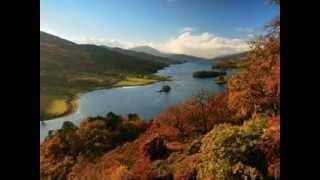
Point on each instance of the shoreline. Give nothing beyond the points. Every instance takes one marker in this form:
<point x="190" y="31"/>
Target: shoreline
<point x="156" y="81"/>
<point x="72" y="107"/>
<point x="73" y="104"/>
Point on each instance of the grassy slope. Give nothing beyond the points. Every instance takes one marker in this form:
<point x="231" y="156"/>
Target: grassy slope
<point x="140" y="80"/>
<point x="67" y="69"/>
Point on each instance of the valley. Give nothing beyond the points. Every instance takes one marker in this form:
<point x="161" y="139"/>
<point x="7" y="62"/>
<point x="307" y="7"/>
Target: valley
<point x="124" y="94"/>
<point x="67" y="69"/>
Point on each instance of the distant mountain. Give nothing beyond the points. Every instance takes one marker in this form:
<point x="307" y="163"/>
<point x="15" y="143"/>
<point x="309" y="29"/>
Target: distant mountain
<point x="183" y="57"/>
<point x="148" y="50"/>
<point x="56" y="52"/>
<point x="145" y="56"/>
<point x="236" y="56"/>
<point x="155" y="52"/>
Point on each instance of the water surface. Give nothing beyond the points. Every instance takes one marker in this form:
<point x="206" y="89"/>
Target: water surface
<point x="144" y="100"/>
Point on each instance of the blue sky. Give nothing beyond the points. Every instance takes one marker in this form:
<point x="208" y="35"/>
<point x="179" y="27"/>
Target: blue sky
<point x="127" y="23"/>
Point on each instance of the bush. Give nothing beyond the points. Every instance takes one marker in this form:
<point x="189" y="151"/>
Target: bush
<point x="128" y="132"/>
<point x="133" y="116"/>
<point x="230" y="152"/>
<point x="112" y="120"/>
<point x="194" y="147"/>
<point x="96" y="141"/>
<point x="269" y="144"/>
<point x="156" y="149"/>
<point x="68" y="126"/>
<point x="93" y="138"/>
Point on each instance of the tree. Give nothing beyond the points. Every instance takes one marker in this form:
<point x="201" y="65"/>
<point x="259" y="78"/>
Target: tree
<point x="68" y="125"/>
<point x="201" y="101"/>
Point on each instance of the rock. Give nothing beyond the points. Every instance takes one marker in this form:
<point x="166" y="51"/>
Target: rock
<point x="165" y="88"/>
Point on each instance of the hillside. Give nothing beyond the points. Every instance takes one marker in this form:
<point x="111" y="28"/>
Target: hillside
<point x="233" y="61"/>
<point x="67" y="68"/>
<point x="57" y="52"/>
<point x="155" y="52"/>
<point x="148" y="50"/>
<point x="233" y="135"/>
<point x="236" y="56"/>
<point x="145" y="56"/>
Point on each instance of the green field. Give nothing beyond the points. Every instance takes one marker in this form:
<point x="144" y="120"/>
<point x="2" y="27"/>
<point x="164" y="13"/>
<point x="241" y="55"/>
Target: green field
<point x="139" y="80"/>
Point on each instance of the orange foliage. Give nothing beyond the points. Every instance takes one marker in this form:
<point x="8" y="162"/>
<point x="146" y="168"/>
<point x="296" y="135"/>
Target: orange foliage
<point x="158" y="153"/>
<point x="270" y="146"/>
<point x="258" y="88"/>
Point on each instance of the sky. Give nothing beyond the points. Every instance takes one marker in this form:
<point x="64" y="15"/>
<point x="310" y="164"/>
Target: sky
<point x="205" y="28"/>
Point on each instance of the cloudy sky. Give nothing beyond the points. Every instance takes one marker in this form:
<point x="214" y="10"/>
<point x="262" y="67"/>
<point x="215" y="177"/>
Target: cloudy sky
<point x="205" y="28"/>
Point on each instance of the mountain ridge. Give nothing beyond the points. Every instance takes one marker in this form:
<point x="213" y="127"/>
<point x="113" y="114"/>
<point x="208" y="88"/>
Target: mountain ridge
<point x="143" y="55"/>
<point x="153" y="51"/>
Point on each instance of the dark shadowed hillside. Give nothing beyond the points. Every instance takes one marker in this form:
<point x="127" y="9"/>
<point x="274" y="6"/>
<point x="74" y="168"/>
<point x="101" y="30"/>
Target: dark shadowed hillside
<point x="56" y="52"/>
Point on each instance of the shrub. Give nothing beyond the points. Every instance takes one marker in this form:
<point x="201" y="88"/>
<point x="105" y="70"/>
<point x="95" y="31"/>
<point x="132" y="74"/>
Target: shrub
<point x="112" y="120"/>
<point x="68" y="126"/>
<point x="128" y="132"/>
<point x="96" y="141"/>
<point x="133" y="116"/>
<point x="194" y="147"/>
<point x="93" y="138"/>
<point x="230" y="152"/>
<point x="269" y="144"/>
<point x="156" y="149"/>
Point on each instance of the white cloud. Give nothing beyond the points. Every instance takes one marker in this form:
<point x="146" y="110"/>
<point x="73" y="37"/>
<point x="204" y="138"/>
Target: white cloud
<point x="108" y="42"/>
<point x="203" y="45"/>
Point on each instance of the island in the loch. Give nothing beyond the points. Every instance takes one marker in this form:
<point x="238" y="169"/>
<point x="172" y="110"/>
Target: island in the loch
<point x="221" y="80"/>
<point x="165" y="89"/>
<point x="208" y="74"/>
